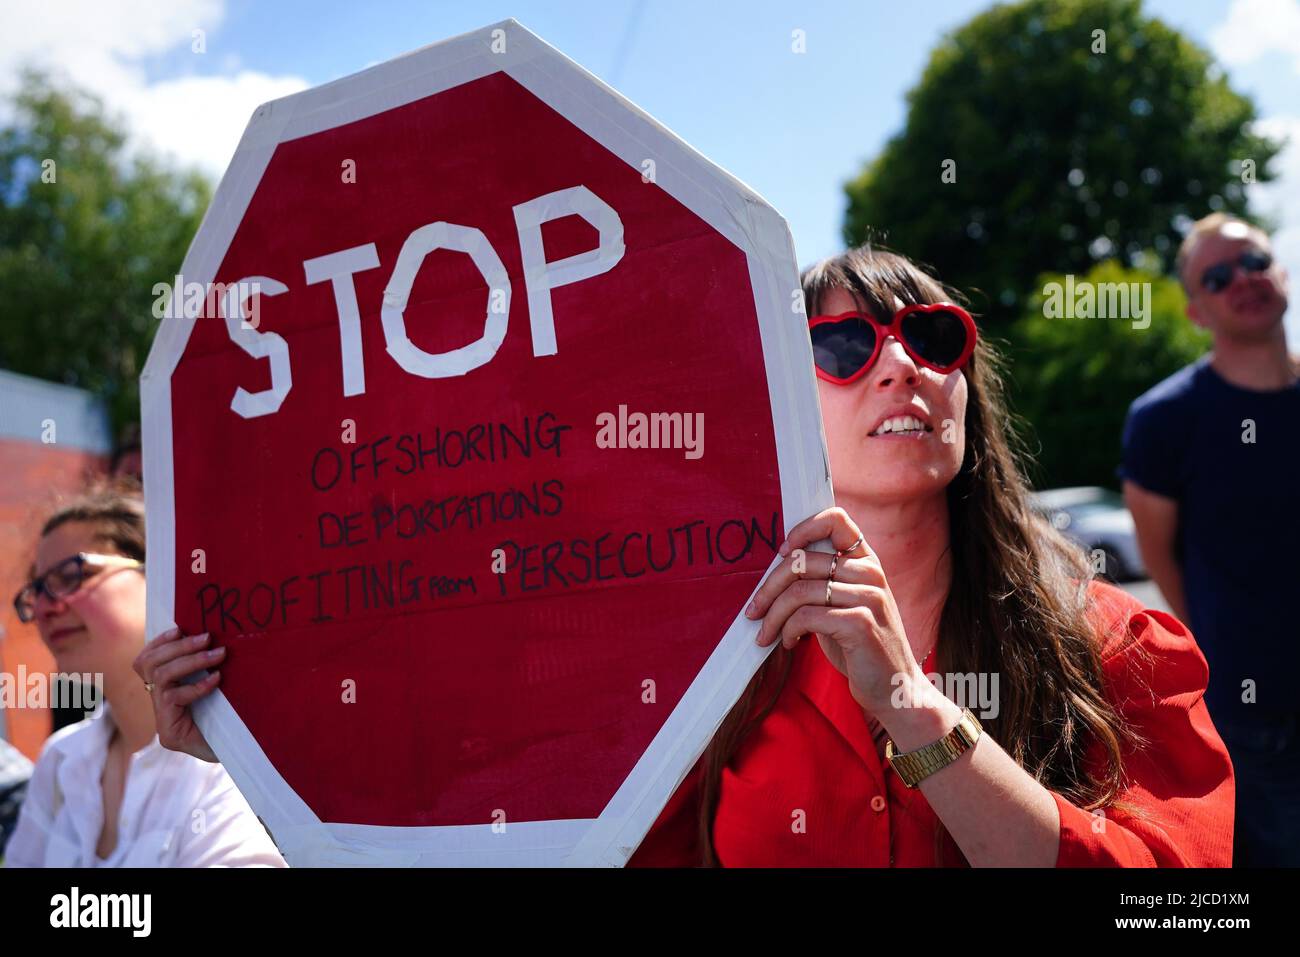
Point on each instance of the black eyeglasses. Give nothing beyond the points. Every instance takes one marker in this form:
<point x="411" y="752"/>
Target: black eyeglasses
<point x="65" y="578"/>
<point x="1218" y="277"/>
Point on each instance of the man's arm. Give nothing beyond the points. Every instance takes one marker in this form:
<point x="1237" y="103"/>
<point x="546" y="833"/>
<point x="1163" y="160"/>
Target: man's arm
<point x="1156" y="520"/>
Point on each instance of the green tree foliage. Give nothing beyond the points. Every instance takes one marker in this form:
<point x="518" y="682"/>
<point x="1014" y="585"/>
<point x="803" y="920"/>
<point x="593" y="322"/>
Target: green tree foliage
<point x="1063" y="156"/>
<point x="1075" y="377"/>
<point x="88" y="226"/>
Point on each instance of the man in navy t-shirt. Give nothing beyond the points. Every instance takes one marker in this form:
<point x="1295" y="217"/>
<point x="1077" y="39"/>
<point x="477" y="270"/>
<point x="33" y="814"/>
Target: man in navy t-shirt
<point x="1212" y="476"/>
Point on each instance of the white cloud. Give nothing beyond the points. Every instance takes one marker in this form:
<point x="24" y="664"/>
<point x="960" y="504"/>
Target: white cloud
<point x="201" y="118"/>
<point x="1254" y="28"/>
<point x="104" y="47"/>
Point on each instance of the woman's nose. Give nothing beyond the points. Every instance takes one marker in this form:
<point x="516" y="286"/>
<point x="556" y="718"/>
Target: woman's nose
<point x="895" y="365"/>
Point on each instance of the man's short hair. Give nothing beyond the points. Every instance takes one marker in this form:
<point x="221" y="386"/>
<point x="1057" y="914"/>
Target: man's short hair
<point x="1212" y="223"/>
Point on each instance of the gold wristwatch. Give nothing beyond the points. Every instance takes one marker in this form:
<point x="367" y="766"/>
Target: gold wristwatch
<point x="915" y="766"/>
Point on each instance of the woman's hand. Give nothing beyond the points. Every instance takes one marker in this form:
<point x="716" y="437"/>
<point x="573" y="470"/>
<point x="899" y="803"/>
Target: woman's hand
<point x="861" y="632"/>
<point x="165" y="663"/>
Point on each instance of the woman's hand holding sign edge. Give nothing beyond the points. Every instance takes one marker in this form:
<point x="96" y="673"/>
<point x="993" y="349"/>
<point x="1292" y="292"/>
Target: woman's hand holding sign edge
<point x="164" y="665"/>
<point x="845" y="599"/>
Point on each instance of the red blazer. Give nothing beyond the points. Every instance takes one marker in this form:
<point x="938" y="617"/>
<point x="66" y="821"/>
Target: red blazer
<point x="813" y="754"/>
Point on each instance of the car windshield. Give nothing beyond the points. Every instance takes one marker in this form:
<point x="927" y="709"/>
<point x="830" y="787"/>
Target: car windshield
<point x="1092" y="508"/>
<point x="1083" y="501"/>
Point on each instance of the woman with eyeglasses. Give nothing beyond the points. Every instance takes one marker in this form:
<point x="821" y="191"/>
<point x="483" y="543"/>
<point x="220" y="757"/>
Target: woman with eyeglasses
<point x="1083" y="739"/>
<point x="104" y="792"/>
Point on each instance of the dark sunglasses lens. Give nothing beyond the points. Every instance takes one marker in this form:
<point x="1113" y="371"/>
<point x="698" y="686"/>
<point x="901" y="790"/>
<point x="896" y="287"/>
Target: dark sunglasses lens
<point x="938" y="337"/>
<point x="1217" y="277"/>
<point x="844" y="347"/>
<point x="1255" y="262"/>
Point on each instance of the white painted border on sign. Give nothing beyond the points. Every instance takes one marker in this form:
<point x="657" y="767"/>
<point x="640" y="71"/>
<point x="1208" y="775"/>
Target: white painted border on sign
<point x="708" y="191"/>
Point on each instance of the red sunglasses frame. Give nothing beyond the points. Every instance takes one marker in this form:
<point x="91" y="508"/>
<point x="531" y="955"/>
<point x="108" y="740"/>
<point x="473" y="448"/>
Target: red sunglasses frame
<point x="887" y="329"/>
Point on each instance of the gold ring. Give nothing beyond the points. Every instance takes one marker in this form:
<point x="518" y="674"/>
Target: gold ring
<point x="828" y="593"/>
<point x="834" y="561"/>
<point x="854" y="546"/>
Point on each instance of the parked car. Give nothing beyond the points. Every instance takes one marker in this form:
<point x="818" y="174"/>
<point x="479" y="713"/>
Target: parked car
<point x="1097" y="519"/>
<point x="15" y="770"/>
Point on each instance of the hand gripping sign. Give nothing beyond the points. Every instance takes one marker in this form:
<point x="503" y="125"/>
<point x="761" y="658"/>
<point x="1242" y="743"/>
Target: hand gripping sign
<point x="436" y="473"/>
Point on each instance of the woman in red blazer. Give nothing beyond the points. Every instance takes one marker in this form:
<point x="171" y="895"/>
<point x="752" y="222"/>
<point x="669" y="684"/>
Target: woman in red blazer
<point x="1092" y="744"/>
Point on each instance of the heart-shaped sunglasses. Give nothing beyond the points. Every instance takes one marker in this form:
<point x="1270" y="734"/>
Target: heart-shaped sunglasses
<point x="940" y="336"/>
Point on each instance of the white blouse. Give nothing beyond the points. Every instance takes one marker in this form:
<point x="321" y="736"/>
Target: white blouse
<point x="177" y="811"/>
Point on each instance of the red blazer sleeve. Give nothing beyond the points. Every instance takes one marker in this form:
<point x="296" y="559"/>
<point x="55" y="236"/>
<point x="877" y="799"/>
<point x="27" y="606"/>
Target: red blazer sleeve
<point x="674" y="839"/>
<point x="1181" y="781"/>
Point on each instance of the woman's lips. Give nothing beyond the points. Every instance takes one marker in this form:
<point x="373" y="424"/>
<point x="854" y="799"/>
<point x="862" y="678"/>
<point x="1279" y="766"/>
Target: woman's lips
<point x="911" y="436"/>
<point x="60" y="633"/>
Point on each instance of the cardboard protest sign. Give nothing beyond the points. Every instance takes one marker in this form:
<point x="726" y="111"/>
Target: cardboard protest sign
<point x="505" y="406"/>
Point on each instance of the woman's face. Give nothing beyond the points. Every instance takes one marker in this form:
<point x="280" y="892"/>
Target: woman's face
<point x="99" y="628"/>
<point x="879" y="468"/>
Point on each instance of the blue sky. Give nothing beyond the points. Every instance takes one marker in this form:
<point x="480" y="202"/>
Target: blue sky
<point x="719" y="74"/>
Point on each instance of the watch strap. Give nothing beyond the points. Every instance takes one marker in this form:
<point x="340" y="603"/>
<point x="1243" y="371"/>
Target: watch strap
<point x="916" y="765"/>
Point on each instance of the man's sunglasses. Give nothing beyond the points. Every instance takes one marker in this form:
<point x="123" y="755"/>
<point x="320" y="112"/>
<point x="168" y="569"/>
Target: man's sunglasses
<point x="940" y="336"/>
<point x="1218" y="277"/>
<point x="65" y="578"/>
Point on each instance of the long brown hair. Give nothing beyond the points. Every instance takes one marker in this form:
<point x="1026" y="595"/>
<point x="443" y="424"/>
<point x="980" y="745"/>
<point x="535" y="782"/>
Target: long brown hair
<point x="1017" y="606"/>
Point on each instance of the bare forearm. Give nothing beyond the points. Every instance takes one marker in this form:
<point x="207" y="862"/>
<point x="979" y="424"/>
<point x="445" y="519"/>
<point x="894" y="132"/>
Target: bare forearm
<point x="1168" y="576"/>
<point x="995" y="811"/>
<point x="1156" y="522"/>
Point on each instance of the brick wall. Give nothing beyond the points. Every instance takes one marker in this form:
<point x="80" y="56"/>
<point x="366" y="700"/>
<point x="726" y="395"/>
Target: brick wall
<point x="37" y="479"/>
<point x="53" y="438"/>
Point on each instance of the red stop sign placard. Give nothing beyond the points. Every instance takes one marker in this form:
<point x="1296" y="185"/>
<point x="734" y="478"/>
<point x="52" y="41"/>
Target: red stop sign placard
<point x="504" y="407"/>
